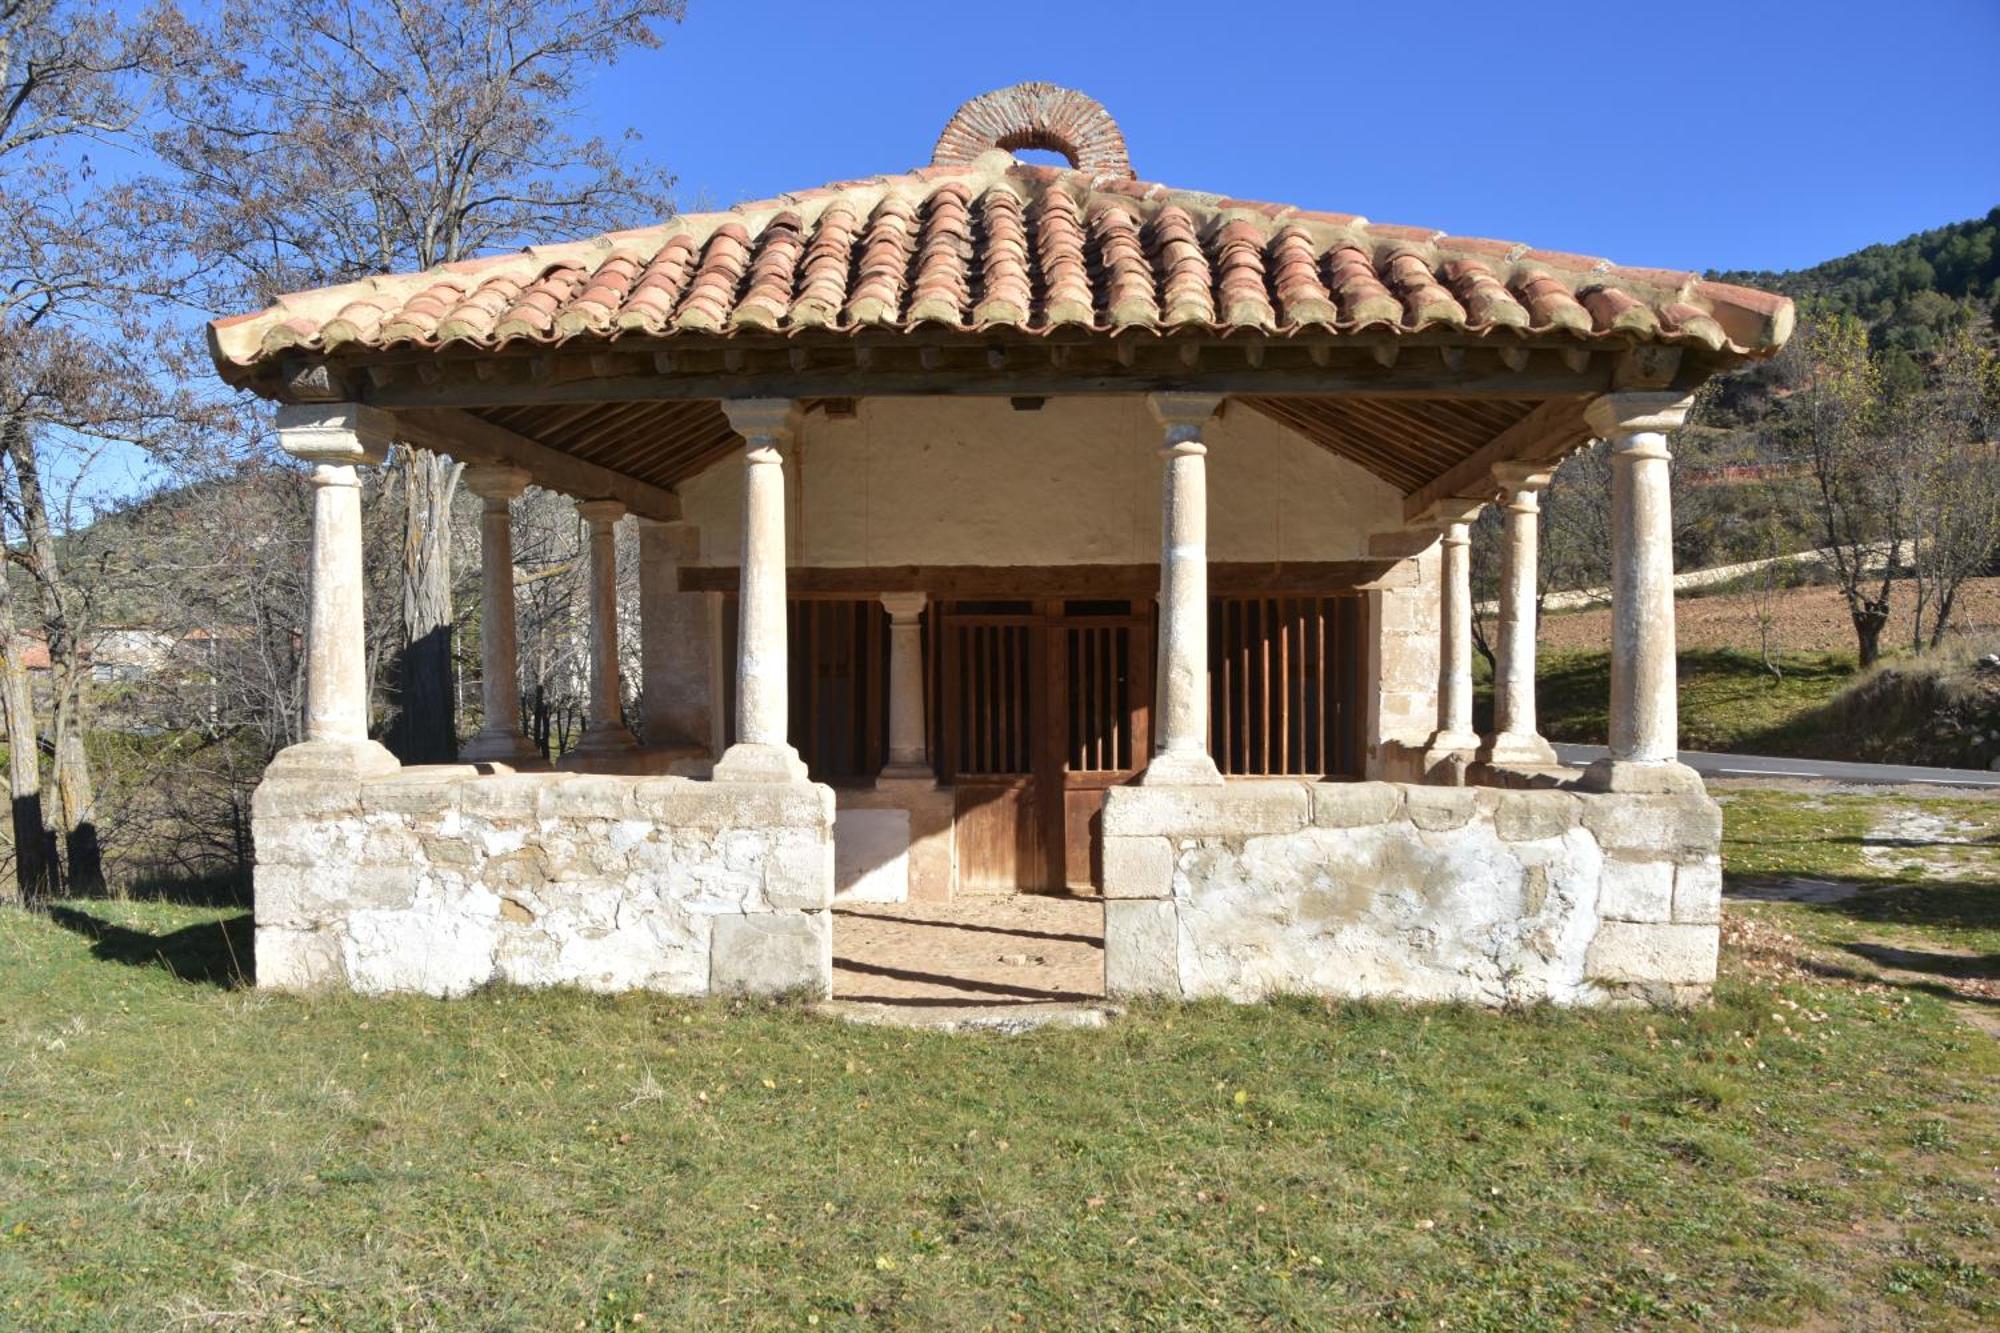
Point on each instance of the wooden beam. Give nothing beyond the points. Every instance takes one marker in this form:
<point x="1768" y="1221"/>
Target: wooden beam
<point x="1543" y="436"/>
<point x="472" y="439"/>
<point x="1035" y="582"/>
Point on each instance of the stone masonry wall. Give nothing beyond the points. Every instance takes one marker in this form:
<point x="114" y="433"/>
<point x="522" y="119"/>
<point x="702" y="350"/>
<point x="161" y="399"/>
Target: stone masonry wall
<point x="440" y="880"/>
<point x="1410" y="892"/>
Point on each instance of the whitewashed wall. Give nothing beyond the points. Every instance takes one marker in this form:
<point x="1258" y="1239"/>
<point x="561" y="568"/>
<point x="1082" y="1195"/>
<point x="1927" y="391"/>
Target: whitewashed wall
<point x="971" y="481"/>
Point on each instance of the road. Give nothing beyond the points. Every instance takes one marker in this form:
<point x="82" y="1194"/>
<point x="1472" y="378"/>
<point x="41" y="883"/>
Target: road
<point x="1823" y="770"/>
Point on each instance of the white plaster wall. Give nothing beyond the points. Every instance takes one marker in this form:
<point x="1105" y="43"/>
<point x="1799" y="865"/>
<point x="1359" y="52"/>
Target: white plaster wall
<point x="971" y="481"/>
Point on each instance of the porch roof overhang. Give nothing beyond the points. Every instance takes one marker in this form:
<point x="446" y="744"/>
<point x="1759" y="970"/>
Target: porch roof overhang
<point x="598" y="363"/>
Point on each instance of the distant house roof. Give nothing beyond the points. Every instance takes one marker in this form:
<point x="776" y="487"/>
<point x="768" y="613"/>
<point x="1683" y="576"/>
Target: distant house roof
<point x="979" y="241"/>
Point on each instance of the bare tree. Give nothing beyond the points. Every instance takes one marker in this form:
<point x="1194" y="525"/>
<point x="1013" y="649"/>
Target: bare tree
<point x="338" y="138"/>
<point x="1860" y="478"/>
<point x="78" y="363"/>
<point x="1956" y="485"/>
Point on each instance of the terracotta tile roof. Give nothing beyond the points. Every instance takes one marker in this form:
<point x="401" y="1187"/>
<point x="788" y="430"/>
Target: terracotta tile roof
<point x="980" y="241"/>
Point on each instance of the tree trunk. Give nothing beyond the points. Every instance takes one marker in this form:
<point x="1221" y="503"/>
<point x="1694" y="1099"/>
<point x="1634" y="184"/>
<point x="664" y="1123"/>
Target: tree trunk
<point x="76" y="798"/>
<point x="426" y="729"/>
<point x="24" y="765"/>
<point x="1868" y="623"/>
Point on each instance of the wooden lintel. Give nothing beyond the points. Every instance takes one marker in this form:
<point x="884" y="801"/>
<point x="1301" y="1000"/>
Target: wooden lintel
<point x="473" y="439"/>
<point x="1543" y="436"/>
<point x="1030" y="582"/>
<point x="1233" y="376"/>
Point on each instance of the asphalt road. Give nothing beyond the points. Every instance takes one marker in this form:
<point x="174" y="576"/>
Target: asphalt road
<point x="1823" y="770"/>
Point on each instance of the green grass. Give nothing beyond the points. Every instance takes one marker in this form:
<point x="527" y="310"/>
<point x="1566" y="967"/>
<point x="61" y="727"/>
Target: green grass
<point x="1729" y="701"/>
<point x="177" y="1151"/>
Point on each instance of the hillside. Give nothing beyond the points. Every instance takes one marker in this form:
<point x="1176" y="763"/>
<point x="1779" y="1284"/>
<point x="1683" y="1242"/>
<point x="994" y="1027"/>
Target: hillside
<point x="1908" y="292"/>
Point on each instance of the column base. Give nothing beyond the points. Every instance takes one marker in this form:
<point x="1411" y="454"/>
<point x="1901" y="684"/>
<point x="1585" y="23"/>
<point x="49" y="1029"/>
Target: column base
<point x="510" y="748"/>
<point x="333" y="761"/>
<point x="906" y="777"/>
<point x="1181" y="768"/>
<point x="1447" y="756"/>
<point x="747" y="761"/>
<point x="1650" y="777"/>
<point x="1513" y="749"/>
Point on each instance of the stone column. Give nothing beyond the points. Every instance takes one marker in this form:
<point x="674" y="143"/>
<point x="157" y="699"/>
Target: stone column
<point x="604" y="730"/>
<point x="762" y="752"/>
<point x="1180" y="752"/>
<point x="334" y="437"/>
<point x="674" y="640"/>
<point x="499" y="739"/>
<point x="1645" y="719"/>
<point x="909" y="756"/>
<point x="1454" y="743"/>
<point x="1516" y="741"/>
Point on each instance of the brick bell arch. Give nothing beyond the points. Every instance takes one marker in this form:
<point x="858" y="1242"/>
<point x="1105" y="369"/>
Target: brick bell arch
<point x="1036" y="115"/>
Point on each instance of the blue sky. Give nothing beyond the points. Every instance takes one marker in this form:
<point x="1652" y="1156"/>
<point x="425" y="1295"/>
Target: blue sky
<point x="1685" y="135"/>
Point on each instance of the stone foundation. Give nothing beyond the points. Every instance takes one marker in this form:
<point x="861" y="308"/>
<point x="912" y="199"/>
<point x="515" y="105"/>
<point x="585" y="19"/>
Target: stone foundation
<point x="1380" y="889"/>
<point x="441" y="880"/>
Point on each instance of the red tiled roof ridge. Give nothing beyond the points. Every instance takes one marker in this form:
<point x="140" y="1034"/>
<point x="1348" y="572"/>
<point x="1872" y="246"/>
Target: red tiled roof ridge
<point x="942" y="245"/>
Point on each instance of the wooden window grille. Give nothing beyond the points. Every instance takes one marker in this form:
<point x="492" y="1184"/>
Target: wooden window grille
<point x="1284" y="685"/>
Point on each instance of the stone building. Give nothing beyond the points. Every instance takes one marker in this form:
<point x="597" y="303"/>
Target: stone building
<point x="1008" y="528"/>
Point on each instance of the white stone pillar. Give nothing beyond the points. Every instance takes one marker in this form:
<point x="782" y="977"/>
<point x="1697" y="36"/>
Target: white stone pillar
<point x="1645" y="719"/>
<point x="334" y="437"/>
<point x="762" y="752"/>
<point x="604" y="729"/>
<point x="909" y="755"/>
<point x="675" y="645"/>
<point x="1454" y="743"/>
<point x="1516" y="741"/>
<point x="499" y="740"/>
<point x="1180" y="754"/>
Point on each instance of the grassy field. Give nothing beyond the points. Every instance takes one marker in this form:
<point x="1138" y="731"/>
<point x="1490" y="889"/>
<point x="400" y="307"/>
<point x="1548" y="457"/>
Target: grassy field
<point x="1819" y="1148"/>
<point x="1729" y="701"/>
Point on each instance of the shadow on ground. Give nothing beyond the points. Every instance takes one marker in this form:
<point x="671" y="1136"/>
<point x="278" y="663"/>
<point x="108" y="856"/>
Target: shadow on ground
<point x="213" y="953"/>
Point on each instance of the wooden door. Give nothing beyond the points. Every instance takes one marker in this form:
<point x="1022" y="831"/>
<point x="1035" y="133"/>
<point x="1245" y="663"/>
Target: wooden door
<point x="1102" y="683"/>
<point x="994" y="706"/>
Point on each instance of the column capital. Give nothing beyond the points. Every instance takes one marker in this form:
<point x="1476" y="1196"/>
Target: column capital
<point x="335" y="432"/>
<point x="599" y="511"/>
<point x="1614" y="414"/>
<point x="495" y="481"/>
<point x="904" y="607"/>
<point x="1180" y="411"/>
<point x="1453" y="511"/>
<point x="1513" y="477"/>
<point x="762" y="421"/>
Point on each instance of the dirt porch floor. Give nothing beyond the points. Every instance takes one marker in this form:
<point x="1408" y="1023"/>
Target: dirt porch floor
<point x="1016" y="950"/>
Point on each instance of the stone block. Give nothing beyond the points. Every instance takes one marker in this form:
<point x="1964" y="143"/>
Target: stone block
<point x="871" y="855"/>
<point x="686" y="803"/>
<point x="772" y="953"/>
<point x="505" y="795"/>
<point x="1524" y="816"/>
<point x="1633" y="953"/>
<point x="333" y="840"/>
<point x="1235" y="809"/>
<point x="1142" y="948"/>
<point x="382" y="886"/>
<point x="389" y="842"/>
<point x="1138" y="867"/>
<point x="1636" y="890"/>
<point x="1437" y="809"/>
<point x="1698" y="891"/>
<point x="1683" y="827"/>
<point x="298" y="960"/>
<point x="798" y="869"/>
<point x="296" y="798"/>
<point x="588" y="796"/>
<point x="414" y="791"/>
<point x="1355" y="804"/>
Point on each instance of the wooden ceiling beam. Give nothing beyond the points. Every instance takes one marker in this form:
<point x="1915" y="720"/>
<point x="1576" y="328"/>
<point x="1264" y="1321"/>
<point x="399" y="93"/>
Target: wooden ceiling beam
<point x="1545" y="435"/>
<point x="473" y="439"/>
